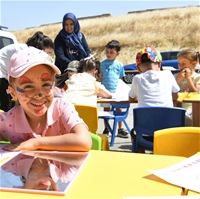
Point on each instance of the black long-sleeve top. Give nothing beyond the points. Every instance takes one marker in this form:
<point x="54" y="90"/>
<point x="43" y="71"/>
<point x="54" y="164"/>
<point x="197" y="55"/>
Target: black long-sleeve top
<point x="64" y="55"/>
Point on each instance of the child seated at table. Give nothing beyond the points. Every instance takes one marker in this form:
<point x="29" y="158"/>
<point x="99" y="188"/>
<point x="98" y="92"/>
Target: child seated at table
<point x="82" y="88"/>
<point x="187" y="78"/>
<point x="40" y="121"/>
<point x="152" y="87"/>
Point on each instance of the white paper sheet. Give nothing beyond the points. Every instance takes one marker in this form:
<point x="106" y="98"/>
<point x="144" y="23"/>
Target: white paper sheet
<point x="6" y="155"/>
<point x="122" y="90"/>
<point x="184" y="174"/>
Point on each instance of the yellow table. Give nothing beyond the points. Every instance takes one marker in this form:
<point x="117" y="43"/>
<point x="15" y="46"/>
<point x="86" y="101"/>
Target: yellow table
<point x="109" y="174"/>
<point x="194" y="98"/>
<point x="181" y="96"/>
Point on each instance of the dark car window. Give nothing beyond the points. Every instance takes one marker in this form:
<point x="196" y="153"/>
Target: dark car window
<point x="4" y="41"/>
<point x="164" y="56"/>
<point x="173" y="55"/>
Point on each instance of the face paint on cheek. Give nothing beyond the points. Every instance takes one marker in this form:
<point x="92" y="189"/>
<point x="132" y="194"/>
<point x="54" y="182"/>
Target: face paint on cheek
<point x="25" y="100"/>
<point x="22" y="96"/>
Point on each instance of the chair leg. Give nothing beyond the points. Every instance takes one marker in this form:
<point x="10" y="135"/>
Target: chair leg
<point x="113" y="133"/>
<point x="105" y="143"/>
<point x="126" y="125"/>
<point x="136" y="145"/>
<point x="108" y="125"/>
<point x="133" y="146"/>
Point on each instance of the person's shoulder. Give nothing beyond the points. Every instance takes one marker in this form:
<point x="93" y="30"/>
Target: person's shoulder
<point x="196" y="75"/>
<point x="9" y="114"/>
<point x="117" y="62"/>
<point x="60" y="102"/>
<point x="20" y="47"/>
<point x="12" y="48"/>
<point x="104" y="61"/>
<point x="81" y="34"/>
<point x="166" y="73"/>
<point x="58" y="37"/>
<point x="138" y="76"/>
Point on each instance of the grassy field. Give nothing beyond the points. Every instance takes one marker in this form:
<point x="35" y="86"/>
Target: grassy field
<point x="168" y="29"/>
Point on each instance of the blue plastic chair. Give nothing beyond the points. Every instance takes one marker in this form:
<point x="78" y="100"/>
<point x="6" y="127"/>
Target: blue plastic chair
<point x="146" y="120"/>
<point x="116" y="116"/>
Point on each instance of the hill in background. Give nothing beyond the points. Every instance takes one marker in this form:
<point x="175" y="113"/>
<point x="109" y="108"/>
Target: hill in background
<point x="166" y="29"/>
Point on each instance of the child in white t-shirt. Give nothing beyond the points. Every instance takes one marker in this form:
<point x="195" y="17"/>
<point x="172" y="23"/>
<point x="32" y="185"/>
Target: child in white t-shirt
<point x="152" y="87"/>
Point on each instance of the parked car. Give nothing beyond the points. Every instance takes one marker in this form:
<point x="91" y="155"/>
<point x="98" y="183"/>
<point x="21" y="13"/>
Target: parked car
<point x="6" y="37"/>
<point x="169" y="62"/>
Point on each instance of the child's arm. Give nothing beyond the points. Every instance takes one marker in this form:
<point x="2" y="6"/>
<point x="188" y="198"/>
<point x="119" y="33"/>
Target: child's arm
<point x="102" y="91"/>
<point x="191" y="85"/>
<point x="77" y="140"/>
<point x="174" y="96"/>
<point x="132" y="100"/>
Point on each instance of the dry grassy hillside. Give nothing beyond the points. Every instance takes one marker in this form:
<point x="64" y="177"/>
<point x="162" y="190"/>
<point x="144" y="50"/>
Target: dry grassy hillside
<point x="169" y="29"/>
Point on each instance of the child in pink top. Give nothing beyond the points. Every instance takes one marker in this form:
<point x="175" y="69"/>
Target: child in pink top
<point x="40" y="122"/>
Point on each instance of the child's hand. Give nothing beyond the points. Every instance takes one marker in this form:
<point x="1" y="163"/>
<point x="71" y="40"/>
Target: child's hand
<point x="180" y="76"/>
<point x="182" y="73"/>
<point x="27" y="145"/>
<point x="188" y="73"/>
<point x="11" y="147"/>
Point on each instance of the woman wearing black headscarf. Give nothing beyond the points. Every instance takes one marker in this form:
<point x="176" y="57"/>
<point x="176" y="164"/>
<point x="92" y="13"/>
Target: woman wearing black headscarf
<point x="70" y="44"/>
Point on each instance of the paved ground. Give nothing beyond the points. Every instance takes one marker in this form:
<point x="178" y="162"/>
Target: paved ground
<point x="121" y="144"/>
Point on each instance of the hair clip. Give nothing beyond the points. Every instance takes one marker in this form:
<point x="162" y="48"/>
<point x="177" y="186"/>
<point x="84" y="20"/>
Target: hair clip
<point x="89" y="57"/>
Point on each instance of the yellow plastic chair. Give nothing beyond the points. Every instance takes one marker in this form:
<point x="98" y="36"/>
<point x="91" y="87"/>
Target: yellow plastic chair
<point x="1" y="111"/>
<point x="90" y="116"/>
<point x="177" y="141"/>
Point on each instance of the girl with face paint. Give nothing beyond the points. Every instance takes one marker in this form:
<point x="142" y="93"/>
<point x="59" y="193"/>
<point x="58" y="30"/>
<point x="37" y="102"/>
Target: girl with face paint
<point x="40" y="121"/>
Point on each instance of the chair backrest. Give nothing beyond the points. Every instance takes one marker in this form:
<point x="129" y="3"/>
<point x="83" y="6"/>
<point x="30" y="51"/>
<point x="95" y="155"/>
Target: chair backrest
<point x="90" y="116"/>
<point x="149" y="119"/>
<point x="96" y="142"/>
<point x="146" y="120"/>
<point x="178" y="141"/>
<point x="124" y="109"/>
